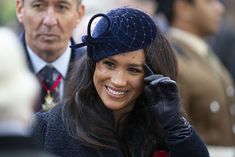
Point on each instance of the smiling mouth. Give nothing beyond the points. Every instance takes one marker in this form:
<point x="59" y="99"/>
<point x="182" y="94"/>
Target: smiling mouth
<point x="115" y="93"/>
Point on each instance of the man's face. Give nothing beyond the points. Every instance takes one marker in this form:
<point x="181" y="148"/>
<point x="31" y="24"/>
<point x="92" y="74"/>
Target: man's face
<point x="48" y="24"/>
<point x="206" y="16"/>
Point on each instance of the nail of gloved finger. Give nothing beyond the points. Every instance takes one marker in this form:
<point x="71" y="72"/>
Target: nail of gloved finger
<point x="153" y="77"/>
<point x="164" y="80"/>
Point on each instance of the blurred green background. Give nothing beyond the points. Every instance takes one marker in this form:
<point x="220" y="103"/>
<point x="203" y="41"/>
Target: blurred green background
<point x="8" y="15"/>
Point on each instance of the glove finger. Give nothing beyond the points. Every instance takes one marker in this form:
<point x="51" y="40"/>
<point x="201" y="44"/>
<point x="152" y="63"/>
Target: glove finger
<point x="152" y="77"/>
<point x="148" y="91"/>
<point x="151" y="97"/>
<point x="163" y="80"/>
<point x="151" y="92"/>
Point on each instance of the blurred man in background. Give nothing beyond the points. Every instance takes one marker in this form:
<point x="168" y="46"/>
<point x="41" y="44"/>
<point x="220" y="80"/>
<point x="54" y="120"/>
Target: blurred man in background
<point x="48" y="28"/>
<point x="206" y="86"/>
<point x="223" y="43"/>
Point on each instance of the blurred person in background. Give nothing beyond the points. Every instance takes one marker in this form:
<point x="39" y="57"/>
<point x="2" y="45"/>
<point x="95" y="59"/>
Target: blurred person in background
<point x="150" y="7"/>
<point x="223" y="43"/>
<point x="48" y="27"/>
<point x="206" y="87"/>
<point x="19" y="90"/>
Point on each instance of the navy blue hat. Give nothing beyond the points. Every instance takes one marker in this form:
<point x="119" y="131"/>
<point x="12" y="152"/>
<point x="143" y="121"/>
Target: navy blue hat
<point x="120" y="30"/>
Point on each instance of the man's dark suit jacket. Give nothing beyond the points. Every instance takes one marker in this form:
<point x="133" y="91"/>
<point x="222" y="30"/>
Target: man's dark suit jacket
<point x="75" y="55"/>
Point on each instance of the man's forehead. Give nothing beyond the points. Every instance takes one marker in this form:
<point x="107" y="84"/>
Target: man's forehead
<point x="47" y="1"/>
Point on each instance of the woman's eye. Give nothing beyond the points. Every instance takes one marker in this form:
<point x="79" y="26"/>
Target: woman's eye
<point x="109" y="64"/>
<point x="135" y="70"/>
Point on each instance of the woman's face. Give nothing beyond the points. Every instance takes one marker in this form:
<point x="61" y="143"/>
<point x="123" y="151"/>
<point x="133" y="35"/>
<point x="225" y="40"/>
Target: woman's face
<point x="119" y="80"/>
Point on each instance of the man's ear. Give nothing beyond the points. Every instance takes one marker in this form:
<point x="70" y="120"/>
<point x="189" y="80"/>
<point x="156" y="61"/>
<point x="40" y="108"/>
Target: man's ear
<point x="19" y="10"/>
<point x="81" y="11"/>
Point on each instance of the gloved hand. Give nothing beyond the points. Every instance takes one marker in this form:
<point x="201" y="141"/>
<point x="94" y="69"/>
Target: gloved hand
<point x="164" y="103"/>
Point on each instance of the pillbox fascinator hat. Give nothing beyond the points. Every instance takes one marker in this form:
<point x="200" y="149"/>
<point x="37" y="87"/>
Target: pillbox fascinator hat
<point x="120" y="30"/>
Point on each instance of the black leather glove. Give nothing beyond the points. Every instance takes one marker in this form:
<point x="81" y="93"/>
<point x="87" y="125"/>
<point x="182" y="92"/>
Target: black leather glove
<point x="164" y="103"/>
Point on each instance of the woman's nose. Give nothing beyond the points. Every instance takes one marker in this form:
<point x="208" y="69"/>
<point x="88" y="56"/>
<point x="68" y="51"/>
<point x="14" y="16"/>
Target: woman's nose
<point x="119" y="79"/>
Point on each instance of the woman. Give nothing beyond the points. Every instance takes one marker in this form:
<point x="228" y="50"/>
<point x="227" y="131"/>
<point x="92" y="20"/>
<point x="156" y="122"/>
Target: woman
<point x="121" y="100"/>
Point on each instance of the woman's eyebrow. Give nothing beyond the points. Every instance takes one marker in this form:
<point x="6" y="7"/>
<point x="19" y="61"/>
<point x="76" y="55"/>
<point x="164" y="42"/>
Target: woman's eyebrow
<point x="136" y="65"/>
<point x="139" y="64"/>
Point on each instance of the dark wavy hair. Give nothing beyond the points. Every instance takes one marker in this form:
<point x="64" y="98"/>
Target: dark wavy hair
<point x="92" y="124"/>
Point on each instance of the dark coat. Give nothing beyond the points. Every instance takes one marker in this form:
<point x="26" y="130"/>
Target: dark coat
<point x="51" y="130"/>
<point x="75" y="55"/>
<point x="19" y="146"/>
